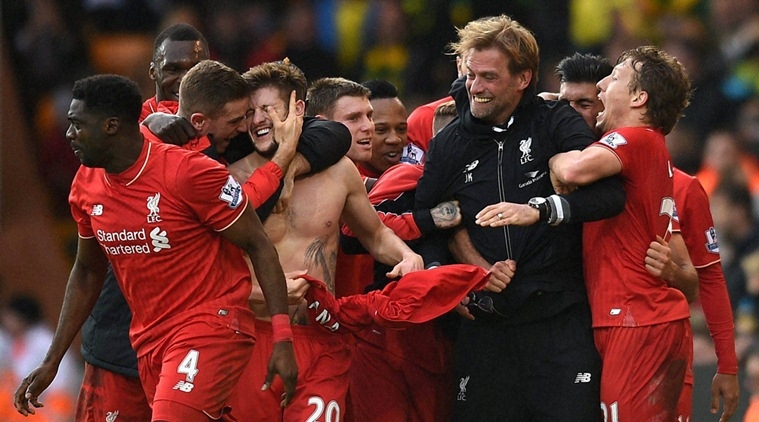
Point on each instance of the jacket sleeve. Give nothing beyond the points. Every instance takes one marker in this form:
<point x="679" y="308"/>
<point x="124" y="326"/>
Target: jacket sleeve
<point x="602" y="199"/>
<point x="323" y="143"/>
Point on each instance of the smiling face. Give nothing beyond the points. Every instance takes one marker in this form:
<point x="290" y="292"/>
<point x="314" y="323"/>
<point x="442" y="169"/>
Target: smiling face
<point x="389" y="137"/>
<point x="617" y="98"/>
<point x="86" y="137"/>
<point x="175" y="58"/>
<point x="493" y="91"/>
<point x="583" y="97"/>
<point x="260" y="126"/>
<point x="356" y="114"/>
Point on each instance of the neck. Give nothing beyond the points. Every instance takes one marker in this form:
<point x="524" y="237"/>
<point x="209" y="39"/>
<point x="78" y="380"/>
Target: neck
<point x="127" y="155"/>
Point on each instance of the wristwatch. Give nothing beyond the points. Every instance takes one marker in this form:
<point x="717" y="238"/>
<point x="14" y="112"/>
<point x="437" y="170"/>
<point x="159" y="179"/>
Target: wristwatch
<point x="541" y="205"/>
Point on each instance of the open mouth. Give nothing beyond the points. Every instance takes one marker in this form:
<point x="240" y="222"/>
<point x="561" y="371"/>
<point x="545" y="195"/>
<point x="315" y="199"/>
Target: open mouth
<point x="263" y="131"/>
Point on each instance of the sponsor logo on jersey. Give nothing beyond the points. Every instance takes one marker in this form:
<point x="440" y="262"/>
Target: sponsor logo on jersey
<point x="712" y="246"/>
<point x="153" y="210"/>
<point x="97" y="209"/>
<point x="111" y="416"/>
<point x="128" y="242"/>
<point x="615" y="311"/>
<point x="582" y="377"/>
<point x="525" y="146"/>
<point x="231" y="193"/>
<point x="614" y="140"/>
<point x="533" y="177"/>
<point x="159" y="239"/>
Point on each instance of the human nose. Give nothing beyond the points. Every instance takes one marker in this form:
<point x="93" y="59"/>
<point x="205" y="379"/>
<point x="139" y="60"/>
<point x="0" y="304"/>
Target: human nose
<point x="394" y="138"/>
<point x="70" y="133"/>
<point x="368" y="125"/>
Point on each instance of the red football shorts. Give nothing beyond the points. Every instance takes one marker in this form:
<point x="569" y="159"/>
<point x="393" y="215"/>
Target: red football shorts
<point x="197" y="368"/>
<point x="643" y="370"/>
<point x="685" y="405"/>
<point x="392" y="382"/>
<point x="107" y="395"/>
<point x="323" y="360"/>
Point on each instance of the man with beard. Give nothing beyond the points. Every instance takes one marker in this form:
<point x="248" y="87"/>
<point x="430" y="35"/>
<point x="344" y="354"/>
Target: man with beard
<point x="305" y="233"/>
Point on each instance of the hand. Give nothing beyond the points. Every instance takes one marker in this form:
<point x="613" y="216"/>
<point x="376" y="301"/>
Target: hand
<point x="560" y="187"/>
<point x="446" y="214"/>
<point x="170" y="128"/>
<point x="659" y="260"/>
<point x="282" y="362"/>
<point x="507" y="213"/>
<point x="463" y="310"/>
<point x="31" y="388"/>
<point x="287" y="130"/>
<point x="725" y="386"/>
<point x="410" y="263"/>
<point x="297" y="286"/>
<point x="501" y="274"/>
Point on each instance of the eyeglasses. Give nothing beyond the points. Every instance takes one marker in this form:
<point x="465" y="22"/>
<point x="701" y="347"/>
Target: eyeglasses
<point x="483" y="303"/>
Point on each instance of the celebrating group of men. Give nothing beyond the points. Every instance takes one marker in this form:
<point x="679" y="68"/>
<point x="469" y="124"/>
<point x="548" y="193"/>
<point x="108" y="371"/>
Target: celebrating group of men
<point x="528" y="261"/>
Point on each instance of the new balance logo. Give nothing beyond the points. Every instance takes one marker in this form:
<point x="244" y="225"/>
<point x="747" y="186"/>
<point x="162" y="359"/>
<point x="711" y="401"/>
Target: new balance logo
<point x="184" y="386"/>
<point x="111" y="416"/>
<point x="97" y="209"/>
<point x="582" y="377"/>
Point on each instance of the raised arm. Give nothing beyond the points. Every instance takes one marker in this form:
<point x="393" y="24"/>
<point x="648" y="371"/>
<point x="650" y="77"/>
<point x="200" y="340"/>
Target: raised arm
<point x="578" y="168"/>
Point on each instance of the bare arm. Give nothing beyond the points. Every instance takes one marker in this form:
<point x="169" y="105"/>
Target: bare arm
<point x="672" y="263"/>
<point x="577" y="168"/>
<point x="378" y="239"/>
<point x="82" y="291"/>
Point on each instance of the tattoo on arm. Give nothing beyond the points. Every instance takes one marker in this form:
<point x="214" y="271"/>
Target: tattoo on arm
<point x="446" y="215"/>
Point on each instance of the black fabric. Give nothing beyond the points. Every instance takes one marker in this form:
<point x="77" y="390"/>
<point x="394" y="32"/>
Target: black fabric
<point x="323" y="142"/>
<point x="522" y="367"/>
<point x="480" y="164"/>
<point x="105" y="333"/>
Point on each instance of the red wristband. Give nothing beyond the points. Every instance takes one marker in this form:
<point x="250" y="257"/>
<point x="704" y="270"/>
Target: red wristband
<point x="280" y="328"/>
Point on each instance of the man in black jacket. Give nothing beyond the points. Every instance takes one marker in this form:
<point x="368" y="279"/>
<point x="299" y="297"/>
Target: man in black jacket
<point x="526" y="351"/>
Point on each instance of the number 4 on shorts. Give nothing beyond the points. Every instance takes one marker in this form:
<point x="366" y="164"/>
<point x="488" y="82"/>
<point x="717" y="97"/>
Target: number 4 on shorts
<point x="189" y="365"/>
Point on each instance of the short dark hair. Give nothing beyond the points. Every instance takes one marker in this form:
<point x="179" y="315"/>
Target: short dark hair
<point x="579" y="68"/>
<point x="380" y="89"/>
<point x="324" y="93"/>
<point x="178" y="32"/>
<point x="110" y="95"/>
<point x="282" y="75"/>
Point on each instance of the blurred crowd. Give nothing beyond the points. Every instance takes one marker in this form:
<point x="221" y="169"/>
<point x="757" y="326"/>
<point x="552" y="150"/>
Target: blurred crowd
<point x="55" y="42"/>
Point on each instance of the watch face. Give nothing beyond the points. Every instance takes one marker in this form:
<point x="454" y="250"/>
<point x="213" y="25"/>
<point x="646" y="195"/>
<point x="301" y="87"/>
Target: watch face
<point x="536" y="201"/>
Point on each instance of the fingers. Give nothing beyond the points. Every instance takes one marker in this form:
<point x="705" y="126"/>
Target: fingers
<point x="292" y="106"/>
<point x="462" y="310"/>
<point x="287" y="396"/>
<point x="270" y="371"/>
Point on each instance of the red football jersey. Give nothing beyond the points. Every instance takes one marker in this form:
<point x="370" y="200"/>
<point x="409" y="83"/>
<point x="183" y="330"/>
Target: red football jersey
<point x="620" y="289"/>
<point x="158" y="222"/>
<point x="697" y="229"/>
